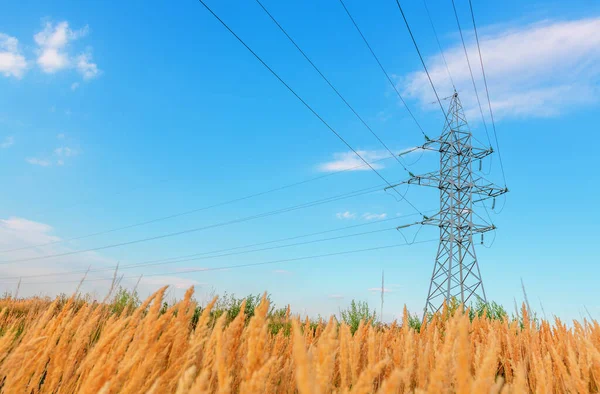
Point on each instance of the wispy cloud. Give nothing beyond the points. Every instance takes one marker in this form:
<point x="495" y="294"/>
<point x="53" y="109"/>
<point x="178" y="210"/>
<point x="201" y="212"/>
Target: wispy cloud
<point x="282" y="272"/>
<point x="383" y="116"/>
<point x="8" y="142"/>
<point x="336" y="296"/>
<point x="350" y="162"/>
<point x="538" y="70"/>
<point x="345" y="215"/>
<point x="378" y="290"/>
<point x="74" y="86"/>
<point x="59" y="157"/>
<point x="374" y="216"/>
<point x="12" y="62"/>
<point x="53" y="55"/>
<point x="18" y="234"/>
<point x="38" y="162"/>
<point x="86" y="67"/>
<point x="65" y="151"/>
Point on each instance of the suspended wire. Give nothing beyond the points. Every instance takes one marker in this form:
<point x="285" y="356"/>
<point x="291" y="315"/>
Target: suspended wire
<point x="383" y="69"/>
<point x="87" y="201"/>
<point x="230" y="267"/>
<point x="230" y="252"/>
<point x="487" y="92"/>
<point x="355" y="193"/>
<point x="422" y="61"/>
<point x="331" y="85"/>
<point x="195" y="210"/>
<point x="471" y="72"/>
<point x="222" y="250"/>
<point x="414" y="237"/>
<point x="438" y="42"/>
<point x="301" y="100"/>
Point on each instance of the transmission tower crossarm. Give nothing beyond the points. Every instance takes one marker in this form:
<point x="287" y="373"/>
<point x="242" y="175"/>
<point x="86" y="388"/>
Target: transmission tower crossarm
<point x="482" y="229"/>
<point x="426" y="220"/>
<point x="488" y="191"/>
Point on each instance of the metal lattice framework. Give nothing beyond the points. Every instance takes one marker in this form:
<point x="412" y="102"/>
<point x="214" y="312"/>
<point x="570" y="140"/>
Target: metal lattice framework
<point x="456" y="271"/>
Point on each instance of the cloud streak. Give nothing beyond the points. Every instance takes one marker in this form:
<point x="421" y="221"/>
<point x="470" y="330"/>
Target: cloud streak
<point x="374" y="216"/>
<point x="345" y="215"/>
<point x="8" y="142"/>
<point x="378" y="290"/>
<point x="539" y="70"/>
<point x="349" y="161"/>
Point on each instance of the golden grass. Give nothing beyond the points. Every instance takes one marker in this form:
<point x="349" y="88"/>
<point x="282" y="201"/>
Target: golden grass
<point x="66" y="347"/>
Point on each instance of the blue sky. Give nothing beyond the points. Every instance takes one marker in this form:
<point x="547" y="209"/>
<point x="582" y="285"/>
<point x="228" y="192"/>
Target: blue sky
<point x="113" y="115"/>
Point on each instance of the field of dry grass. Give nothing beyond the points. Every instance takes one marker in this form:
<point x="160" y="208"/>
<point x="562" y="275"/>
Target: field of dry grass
<point x="68" y="346"/>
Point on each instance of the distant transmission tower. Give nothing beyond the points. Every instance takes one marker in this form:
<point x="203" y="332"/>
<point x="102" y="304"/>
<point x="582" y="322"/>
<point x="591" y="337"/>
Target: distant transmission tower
<point x="456" y="271"/>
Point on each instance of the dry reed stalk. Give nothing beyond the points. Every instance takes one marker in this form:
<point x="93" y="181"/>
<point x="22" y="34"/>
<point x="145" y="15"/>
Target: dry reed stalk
<point x="71" y="345"/>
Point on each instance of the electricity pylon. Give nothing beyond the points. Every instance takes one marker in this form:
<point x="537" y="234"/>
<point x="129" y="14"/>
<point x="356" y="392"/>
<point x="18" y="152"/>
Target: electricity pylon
<point x="456" y="271"/>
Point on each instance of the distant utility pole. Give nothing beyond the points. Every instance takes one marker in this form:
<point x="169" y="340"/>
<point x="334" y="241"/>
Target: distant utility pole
<point x="382" y="290"/>
<point x="456" y="270"/>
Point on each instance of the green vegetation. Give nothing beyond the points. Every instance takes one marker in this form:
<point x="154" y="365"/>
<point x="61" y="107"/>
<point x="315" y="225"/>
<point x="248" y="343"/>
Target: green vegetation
<point x="358" y="310"/>
<point x="125" y="301"/>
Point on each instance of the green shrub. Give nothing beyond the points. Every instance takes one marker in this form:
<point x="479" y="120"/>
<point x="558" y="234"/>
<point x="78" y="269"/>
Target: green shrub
<point x="358" y="310"/>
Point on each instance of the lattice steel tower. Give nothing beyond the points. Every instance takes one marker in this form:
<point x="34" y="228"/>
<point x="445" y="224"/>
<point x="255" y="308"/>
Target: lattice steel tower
<point x="456" y="271"/>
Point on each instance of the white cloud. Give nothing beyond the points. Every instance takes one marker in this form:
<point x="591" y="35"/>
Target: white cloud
<point x="12" y="63"/>
<point x="374" y="216"/>
<point x="59" y="156"/>
<point x="336" y="296"/>
<point x="53" y="54"/>
<point x="17" y="237"/>
<point x="74" y="85"/>
<point x="60" y="136"/>
<point x="38" y="162"/>
<point x="383" y="116"/>
<point x="351" y="162"/>
<point x="23" y="228"/>
<point x="52" y="42"/>
<point x="85" y="67"/>
<point x="378" y="290"/>
<point x="345" y="215"/>
<point x="8" y="142"/>
<point x="538" y="70"/>
<point x="65" y="151"/>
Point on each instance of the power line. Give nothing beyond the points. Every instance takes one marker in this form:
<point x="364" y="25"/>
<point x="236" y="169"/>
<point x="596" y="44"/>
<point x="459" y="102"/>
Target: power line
<point x="355" y="193"/>
<point x="224" y="252"/>
<point x="471" y="72"/>
<point x="487" y="92"/>
<point x="230" y="267"/>
<point x="301" y="100"/>
<point x="331" y="85"/>
<point x="184" y="213"/>
<point x="87" y="201"/>
<point x="422" y="61"/>
<point x="383" y="69"/>
<point x="438" y="42"/>
<point x="217" y="250"/>
<point x="138" y="224"/>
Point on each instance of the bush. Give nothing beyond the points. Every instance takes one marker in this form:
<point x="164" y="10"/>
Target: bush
<point x="358" y="310"/>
